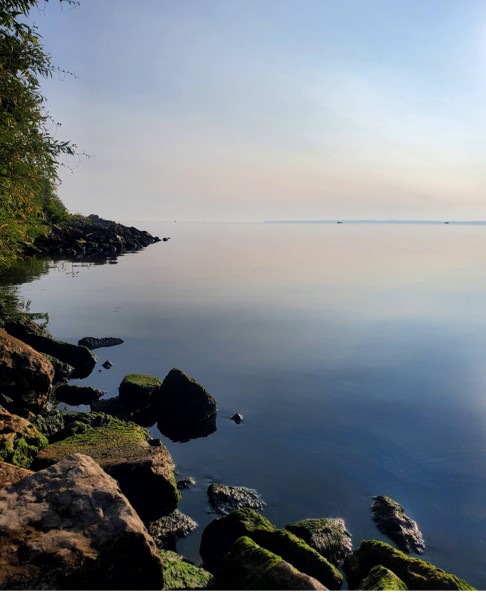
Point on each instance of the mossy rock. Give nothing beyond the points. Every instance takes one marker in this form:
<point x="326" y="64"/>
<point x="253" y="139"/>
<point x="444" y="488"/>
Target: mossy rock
<point x="49" y="423"/>
<point x="139" y="388"/>
<point x="415" y="573"/>
<point x="80" y="423"/>
<point x="20" y="441"/>
<point x="221" y="534"/>
<point x="180" y="574"/>
<point x="248" y="566"/>
<point x="328" y="536"/>
<point x="381" y="578"/>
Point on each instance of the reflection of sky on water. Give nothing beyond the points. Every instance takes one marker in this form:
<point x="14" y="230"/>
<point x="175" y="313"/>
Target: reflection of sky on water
<point x="356" y="355"/>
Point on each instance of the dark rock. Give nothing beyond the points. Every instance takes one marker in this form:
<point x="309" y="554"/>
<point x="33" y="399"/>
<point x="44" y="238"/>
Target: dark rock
<point x="99" y="342"/>
<point x="391" y="520"/>
<point x="247" y="566"/>
<point x="19" y="440"/>
<point x="126" y="410"/>
<point x="415" y="573"/>
<point x="182" y="433"/>
<point x="381" y="578"/>
<point x="224" y="499"/>
<point x="186" y="483"/>
<point x="145" y="473"/>
<point x="180" y="574"/>
<point x="70" y="528"/>
<point x="137" y="389"/>
<point x="25" y="375"/>
<point x="49" y="423"/>
<point x="168" y="529"/>
<point x="80" y="423"/>
<point x="328" y="536"/>
<point x="9" y="474"/>
<point x="62" y="371"/>
<point x="165" y="239"/>
<point x="77" y="395"/>
<point x="237" y="418"/>
<point x="107" y="364"/>
<point x="29" y="332"/>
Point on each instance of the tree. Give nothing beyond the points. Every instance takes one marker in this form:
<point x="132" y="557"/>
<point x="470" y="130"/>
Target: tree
<point x="29" y="154"/>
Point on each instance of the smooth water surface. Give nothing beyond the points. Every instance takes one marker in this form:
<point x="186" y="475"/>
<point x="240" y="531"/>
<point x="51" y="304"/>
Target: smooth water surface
<point x="356" y="354"/>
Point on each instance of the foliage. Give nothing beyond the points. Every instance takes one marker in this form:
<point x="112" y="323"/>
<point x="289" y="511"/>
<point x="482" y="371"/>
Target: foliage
<point x="29" y="154"/>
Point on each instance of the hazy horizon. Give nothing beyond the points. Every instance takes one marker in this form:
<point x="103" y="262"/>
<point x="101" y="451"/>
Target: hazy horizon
<point x="245" y="110"/>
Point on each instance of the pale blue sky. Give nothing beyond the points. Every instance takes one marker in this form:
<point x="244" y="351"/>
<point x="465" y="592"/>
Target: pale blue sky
<point x="266" y="109"/>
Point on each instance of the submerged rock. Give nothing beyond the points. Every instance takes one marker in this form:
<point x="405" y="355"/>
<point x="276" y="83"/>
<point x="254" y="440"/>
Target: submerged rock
<point x="168" y="529"/>
<point x="107" y="364"/>
<point x="247" y="566"/>
<point x="224" y="499"/>
<point x="25" y="375"/>
<point x="145" y="473"/>
<point x="10" y="474"/>
<point x="72" y="394"/>
<point x="414" y="572"/>
<point x="70" y="528"/>
<point x="390" y="518"/>
<point x="99" y="342"/>
<point x="19" y="440"/>
<point x="381" y="578"/>
<point x="180" y="574"/>
<point x="328" y="536"/>
<point x="237" y="418"/>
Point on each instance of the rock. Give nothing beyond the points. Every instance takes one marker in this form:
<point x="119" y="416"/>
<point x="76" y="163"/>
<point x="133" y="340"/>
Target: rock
<point x="99" y="342"/>
<point x="74" y="424"/>
<point x="62" y="371"/>
<point x="19" y="440"/>
<point x="168" y="529"/>
<point x="10" y="474"/>
<point x="224" y="499"/>
<point x="77" y="395"/>
<point x="237" y="418"/>
<point x="31" y="333"/>
<point x="180" y="574"/>
<point x="381" y="578"/>
<point x="166" y="238"/>
<point x="247" y="566"/>
<point x="186" y="483"/>
<point x="415" y="573"/>
<point x="179" y="432"/>
<point x="70" y="528"/>
<point x="145" y="473"/>
<point x="138" y="389"/>
<point x="328" y="536"/>
<point x="25" y="375"/>
<point x="182" y="405"/>
<point x="107" y="364"/>
<point x="49" y="423"/>
<point x="391" y="520"/>
<point x="125" y="410"/>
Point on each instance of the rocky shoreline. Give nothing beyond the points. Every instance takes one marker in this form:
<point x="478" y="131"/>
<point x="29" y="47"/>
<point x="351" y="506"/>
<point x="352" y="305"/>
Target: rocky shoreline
<point x="90" y="501"/>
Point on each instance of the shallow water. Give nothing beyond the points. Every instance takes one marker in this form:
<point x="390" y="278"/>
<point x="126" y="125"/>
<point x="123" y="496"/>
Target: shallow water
<point x="355" y="353"/>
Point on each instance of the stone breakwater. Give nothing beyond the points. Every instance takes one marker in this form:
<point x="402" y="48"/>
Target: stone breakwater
<point x="90" y="500"/>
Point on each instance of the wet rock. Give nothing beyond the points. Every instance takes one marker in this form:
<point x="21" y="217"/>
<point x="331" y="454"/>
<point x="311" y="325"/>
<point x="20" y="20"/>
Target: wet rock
<point x="145" y="473"/>
<point x="180" y="574"/>
<point x="77" y="395"/>
<point x="237" y="418"/>
<point x="182" y="403"/>
<point x="62" y="371"/>
<point x="328" y="536"/>
<point x="168" y="529"/>
<point x="107" y="364"/>
<point x="381" y="578"/>
<point x="25" y="376"/>
<point x="70" y="528"/>
<point x="49" y="423"/>
<point x="99" y="342"/>
<point x="414" y="572"/>
<point x="247" y="566"/>
<point x="79" y="357"/>
<point x="391" y="520"/>
<point x="224" y="499"/>
<point x="10" y="474"/>
<point x="19" y="440"/>
<point x="126" y="410"/>
<point x="186" y="483"/>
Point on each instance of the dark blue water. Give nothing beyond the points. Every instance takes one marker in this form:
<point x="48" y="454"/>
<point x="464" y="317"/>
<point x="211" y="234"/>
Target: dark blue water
<point x="355" y="353"/>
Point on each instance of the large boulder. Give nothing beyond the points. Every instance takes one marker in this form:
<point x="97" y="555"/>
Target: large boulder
<point x="248" y="566"/>
<point x="224" y="499"/>
<point x="79" y="357"/>
<point x="184" y="409"/>
<point x="19" y="440"/>
<point x="328" y="536"/>
<point x="25" y="375"/>
<point x="138" y="388"/>
<point x="381" y="578"/>
<point x="10" y="474"/>
<point x="391" y="520"/>
<point x="122" y="449"/>
<point x="415" y="573"/>
<point x="69" y="527"/>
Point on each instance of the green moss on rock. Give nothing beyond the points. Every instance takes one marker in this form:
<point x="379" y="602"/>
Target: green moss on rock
<point x="381" y="578"/>
<point x="179" y="574"/>
<point x="19" y="440"/>
<point x="328" y="536"/>
<point x="138" y="387"/>
<point x="415" y="573"/>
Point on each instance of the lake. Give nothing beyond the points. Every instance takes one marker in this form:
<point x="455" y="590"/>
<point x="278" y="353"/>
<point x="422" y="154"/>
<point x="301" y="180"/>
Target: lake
<point x="356" y="354"/>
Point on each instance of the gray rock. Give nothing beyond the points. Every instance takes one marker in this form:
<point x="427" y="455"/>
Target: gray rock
<point x="186" y="483"/>
<point x="224" y="499"/>
<point x="390" y="518"/>
<point x="328" y="536"/>
<point x="69" y="527"/>
<point x="99" y="342"/>
<point x="168" y="529"/>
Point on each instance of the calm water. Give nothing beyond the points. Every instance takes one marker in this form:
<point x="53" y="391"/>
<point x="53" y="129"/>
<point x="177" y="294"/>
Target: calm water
<point x="355" y="353"/>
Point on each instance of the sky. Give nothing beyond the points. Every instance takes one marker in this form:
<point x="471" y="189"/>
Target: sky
<point x="253" y="110"/>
